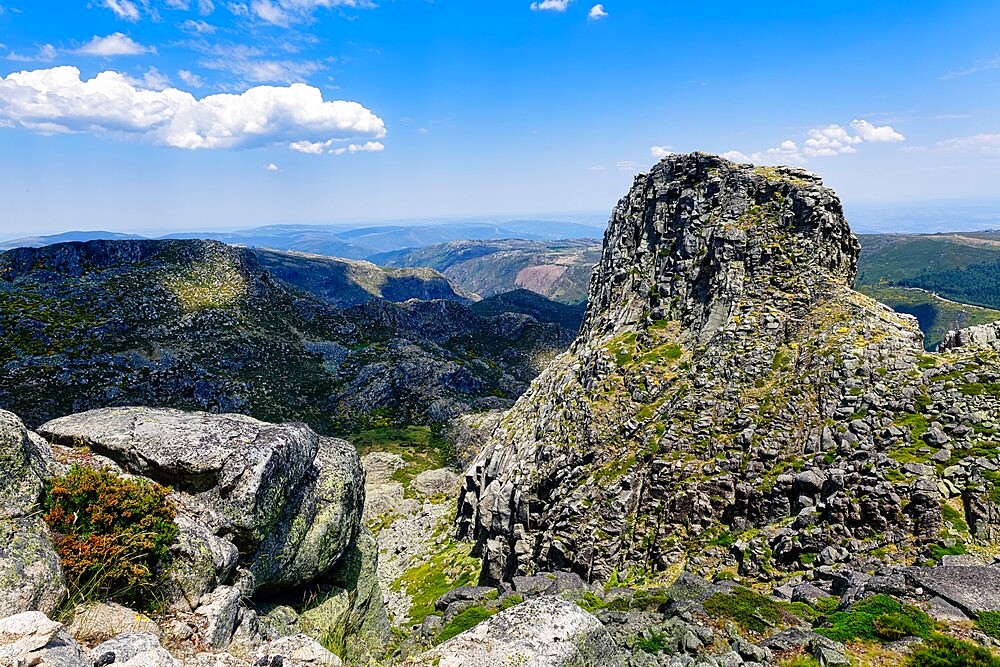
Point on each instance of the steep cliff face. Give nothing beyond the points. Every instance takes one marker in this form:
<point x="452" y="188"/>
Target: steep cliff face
<point x="731" y="402"/>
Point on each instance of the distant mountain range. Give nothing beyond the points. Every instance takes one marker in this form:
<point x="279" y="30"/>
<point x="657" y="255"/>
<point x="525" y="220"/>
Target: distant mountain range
<point x="351" y="242"/>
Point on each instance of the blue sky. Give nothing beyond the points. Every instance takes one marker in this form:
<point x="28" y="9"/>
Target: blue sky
<point x="214" y="113"/>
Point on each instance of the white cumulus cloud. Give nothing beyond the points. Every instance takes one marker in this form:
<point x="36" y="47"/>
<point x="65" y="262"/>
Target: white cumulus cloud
<point x="660" y="152"/>
<point x="869" y="132"/>
<point x="550" y="5"/>
<point x="826" y="141"/>
<point x="115" y="44"/>
<point x="200" y="27"/>
<point x="270" y="166"/>
<point x="56" y="100"/>
<point x="597" y="12"/>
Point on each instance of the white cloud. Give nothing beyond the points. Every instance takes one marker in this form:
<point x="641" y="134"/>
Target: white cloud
<point x="871" y="133"/>
<point x="270" y="166"/>
<point x="825" y="141"/>
<point x="992" y="63"/>
<point x="330" y="146"/>
<point x="123" y="9"/>
<point x="985" y="144"/>
<point x="737" y="156"/>
<point x="550" y="5"/>
<point x="56" y="100"/>
<point x="828" y="141"/>
<point x="200" y="27"/>
<point x="115" y="44"/>
<point x="627" y="165"/>
<point x="596" y="167"/>
<point x="660" y="152"/>
<point x="597" y="12"/>
<point x="191" y="79"/>
<point x="46" y="53"/>
<point x="153" y="79"/>
<point x="284" y="12"/>
<point x="205" y="7"/>
<point x="267" y="71"/>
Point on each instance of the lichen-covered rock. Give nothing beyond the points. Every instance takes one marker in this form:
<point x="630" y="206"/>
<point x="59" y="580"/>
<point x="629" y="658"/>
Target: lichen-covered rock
<point x="288" y="499"/>
<point x="31" y="578"/>
<point x="542" y="632"/>
<point x="133" y="649"/>
<point x="96" y="622"/>
<point x="727" y="381"/>
<point x="297" y="651"/>
<point x="30" y="638"/>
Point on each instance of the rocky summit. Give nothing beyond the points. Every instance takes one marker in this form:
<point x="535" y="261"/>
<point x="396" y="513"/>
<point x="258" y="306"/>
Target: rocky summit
<point x="732" y="405"/>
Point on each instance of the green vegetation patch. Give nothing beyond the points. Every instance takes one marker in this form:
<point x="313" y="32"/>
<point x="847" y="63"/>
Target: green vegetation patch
<point x="421" y="447"/>
<point x="879" y="618"/>
<point x="449" y="568"/>
<point x="939" y="650"/>
<point x="466" y="620"/>
<point x="112" y="535"/>
<point x="989" y="623"/>
<point x="749" y="610"/>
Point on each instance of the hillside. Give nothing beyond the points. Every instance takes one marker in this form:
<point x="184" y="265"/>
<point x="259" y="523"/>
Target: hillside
<point x="344" y="282"/>
<point x="733" y="408"/>
<point x="202" y="325"/>
<point x="559" y="270"/>
<point x="939" y="278"/>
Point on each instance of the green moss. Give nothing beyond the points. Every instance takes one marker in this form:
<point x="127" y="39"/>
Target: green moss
<point x="466" y="620"/>
<point x="590" y="602"/>
<point x="955" y="517"/>
<point x="511" y="600"/>
<point x="938" y="551"/>
<point x="878" y="618"/>
<point x="749" y="610"/>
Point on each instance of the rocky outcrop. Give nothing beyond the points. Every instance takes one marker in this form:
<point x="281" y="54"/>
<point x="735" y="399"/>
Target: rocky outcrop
<point x="289" y="500"/>
<point x="265" y="511"/>
<point x="732" y="403"/>
<point x="544" y="632"/>
<point x="30" y="576"/>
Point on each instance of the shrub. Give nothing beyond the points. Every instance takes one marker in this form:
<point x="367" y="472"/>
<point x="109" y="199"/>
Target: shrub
<point x="112" y="535"/>
<point x="944" y="651"/>
<point x="878" y="618"/>
<point x="989" y="622"/>
<point x="466" y="620"/>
